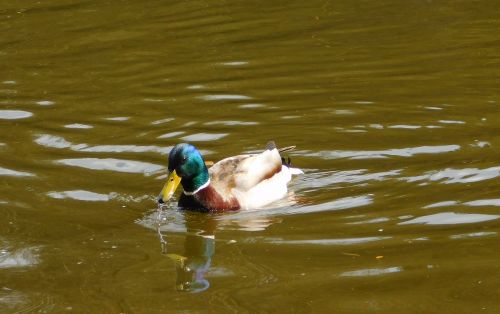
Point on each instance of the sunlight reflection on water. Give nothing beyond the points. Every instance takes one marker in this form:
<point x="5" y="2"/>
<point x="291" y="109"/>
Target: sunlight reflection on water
<point x="112" y="164"/>
<point x="14" y="173"/>
<point x="80" y="195"/>
<point x="24" y="257"/>
<point x="203" y="137"/>
<point x="399" y="152"/>
<point x="223" y="97"/>
<point x="394" y="114"/>
<point x="450" y="175"/>
<point x="339" y="204"/>
<point x="371" y="272"/>
<point x="78" y="126"/>
<point x="450" y="218"/>
<point x="14" y="114"/>
<point x="346" y="241"/>
<point x="59" y="142"/>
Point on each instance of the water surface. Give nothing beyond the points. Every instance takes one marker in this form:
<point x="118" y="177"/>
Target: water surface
<point x="393" y="107"/>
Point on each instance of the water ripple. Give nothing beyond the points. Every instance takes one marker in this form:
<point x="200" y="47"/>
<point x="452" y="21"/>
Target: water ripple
<point x="399" y="152"/>
<point x="162" y="121"/>
<point x="124" y="148"/>
<point x="233" y="63"/>
<point x="441" y="204"/>
<point x="14" y="173"/>
<point x="345" y="241"/>
<point x="80" y="195"/>
<point x="485" y="202"/>
<point x="450" y="218"/>
<point x="117" y="118"/>
<point x="369" y="221"/>
<point x="12" y="299"/>
<point x="449" y="175"/>
<point x="223" y="97"/>
<point x="473" y="235"/>
<point x="371" y="272"/>
<point x="339" y="204"/>
<point x="14" y="114"/>
<point x="251" y="106"/>
<point x="231" y="123"/>
<point x="171" y="134"/>
<point x="404" y="126"/>
<point x="451" y="122"/>
<point x="45" y="103"/>
<point x="325" y="179"/>
<point x="24" y="257"/>
<point x="59" y="142"/>
<point x="78" y="126"/>
<point x="111" y="164"/>
<point x="204" y="137"/>
<point x="195" y="86"/>
<point x="433" y="108"/>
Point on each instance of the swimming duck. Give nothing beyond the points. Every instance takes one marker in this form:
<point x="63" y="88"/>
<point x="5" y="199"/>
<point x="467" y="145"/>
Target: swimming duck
<point x="241" y="182"/>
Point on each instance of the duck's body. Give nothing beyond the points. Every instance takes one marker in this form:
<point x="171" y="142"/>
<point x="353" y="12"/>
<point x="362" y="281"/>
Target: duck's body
<point x="239" y="182"/>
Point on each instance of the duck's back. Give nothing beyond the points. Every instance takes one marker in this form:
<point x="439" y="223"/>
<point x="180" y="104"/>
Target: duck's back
<point x="254" y="180"/>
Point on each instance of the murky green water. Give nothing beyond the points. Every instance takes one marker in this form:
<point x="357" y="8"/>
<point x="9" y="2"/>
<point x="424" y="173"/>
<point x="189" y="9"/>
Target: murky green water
<point x="393" y="106"/>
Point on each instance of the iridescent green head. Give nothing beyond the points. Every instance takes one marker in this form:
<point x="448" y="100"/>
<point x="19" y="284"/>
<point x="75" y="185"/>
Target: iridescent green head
<point x="188" y="163"/>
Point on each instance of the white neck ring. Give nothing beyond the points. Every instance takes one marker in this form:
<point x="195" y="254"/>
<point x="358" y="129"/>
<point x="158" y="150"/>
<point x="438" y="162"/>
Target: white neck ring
<point x="198" y="189"/>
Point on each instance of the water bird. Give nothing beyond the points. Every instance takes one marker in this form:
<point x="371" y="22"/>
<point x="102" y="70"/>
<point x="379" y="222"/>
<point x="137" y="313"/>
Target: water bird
<point x="247" y="181"/>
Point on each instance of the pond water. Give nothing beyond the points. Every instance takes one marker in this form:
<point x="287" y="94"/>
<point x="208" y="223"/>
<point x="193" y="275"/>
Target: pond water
<point x="393" y="107"/>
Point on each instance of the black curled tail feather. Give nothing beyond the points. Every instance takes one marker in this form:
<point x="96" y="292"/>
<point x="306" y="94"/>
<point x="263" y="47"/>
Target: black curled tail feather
<point x="286" y="162"/>
<point x="272" y="145"/>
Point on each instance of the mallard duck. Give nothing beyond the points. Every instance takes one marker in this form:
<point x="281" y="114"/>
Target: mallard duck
<point x="241" y="182"/>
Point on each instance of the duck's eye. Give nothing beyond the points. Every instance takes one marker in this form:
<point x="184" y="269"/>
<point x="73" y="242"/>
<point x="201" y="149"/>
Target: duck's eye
<point x="184" y="158"/>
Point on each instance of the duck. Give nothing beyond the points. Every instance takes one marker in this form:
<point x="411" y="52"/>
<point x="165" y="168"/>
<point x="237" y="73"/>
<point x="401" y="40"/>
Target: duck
<point x="248" y="181"/>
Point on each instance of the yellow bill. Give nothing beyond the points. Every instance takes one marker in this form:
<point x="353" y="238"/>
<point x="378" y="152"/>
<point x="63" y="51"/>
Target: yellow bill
<point x="169" y="188"/>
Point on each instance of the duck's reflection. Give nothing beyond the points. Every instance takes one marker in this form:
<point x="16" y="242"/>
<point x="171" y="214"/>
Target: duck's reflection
<point x="193" y="264"/>
<point x="199" y="247"/>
